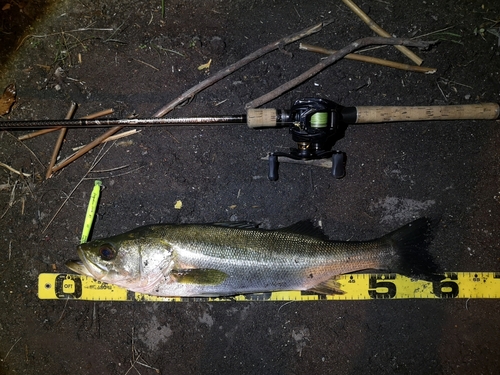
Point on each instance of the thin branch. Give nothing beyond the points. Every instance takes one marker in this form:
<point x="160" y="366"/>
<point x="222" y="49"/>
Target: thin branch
<point x="52" y="34"/>
<point x="189" y="94"/>
<point x="433" y="32"/>
<point x="111" y="169"/>
<point x="147" y="64"/>
<point x="329" y="61"/>
<point x="369" y="59"/>
<point x="60" y="140"/>
<point x="104" y="112"/>
<point x="86" y="149"/>
<point x="376" y="28"/>
<point x="30" y="150"/>
<point x="113" y="138"/>
<point x="11" y="200"/>
<point x="14" y="170"/>
<point x="12" y="347"/>
<point x="122" y="135"/>
<point x="115" y="175"/>
<point x="97" y="159"/>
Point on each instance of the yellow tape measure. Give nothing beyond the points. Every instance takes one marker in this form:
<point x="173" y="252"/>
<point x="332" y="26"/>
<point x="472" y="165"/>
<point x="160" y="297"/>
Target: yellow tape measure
<point x="356" y="286"/>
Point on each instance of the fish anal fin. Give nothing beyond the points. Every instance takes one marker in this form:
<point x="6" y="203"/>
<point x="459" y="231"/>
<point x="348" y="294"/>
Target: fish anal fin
<point x="203" y="276"/>
<point x="330" y="286"/>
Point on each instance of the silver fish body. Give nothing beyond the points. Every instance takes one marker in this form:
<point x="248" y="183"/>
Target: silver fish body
<point x="221" y="259"/>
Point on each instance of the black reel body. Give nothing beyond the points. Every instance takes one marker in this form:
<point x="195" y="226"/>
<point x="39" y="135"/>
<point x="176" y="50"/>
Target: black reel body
<point x="316" y="126"/>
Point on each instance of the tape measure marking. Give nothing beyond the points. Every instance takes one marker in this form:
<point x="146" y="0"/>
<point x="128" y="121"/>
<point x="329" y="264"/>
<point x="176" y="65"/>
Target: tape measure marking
<point x="356" y="286"/>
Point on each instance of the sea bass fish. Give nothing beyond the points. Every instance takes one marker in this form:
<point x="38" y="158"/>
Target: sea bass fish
<point x="193" y="260"/>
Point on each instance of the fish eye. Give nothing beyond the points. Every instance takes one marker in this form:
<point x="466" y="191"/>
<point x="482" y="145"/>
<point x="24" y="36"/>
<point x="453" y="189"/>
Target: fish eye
<point x="107" y="252"/>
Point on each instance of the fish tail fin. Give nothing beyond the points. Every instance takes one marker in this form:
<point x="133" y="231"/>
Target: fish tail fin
<point x="410" y="243"/>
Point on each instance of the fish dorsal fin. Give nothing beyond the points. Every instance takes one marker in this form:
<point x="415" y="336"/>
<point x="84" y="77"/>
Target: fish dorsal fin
<point x="307" y="228"/>
<point x="330" y="286"/>
<point x="203" y="276"/>
<point x="237" y="224"/>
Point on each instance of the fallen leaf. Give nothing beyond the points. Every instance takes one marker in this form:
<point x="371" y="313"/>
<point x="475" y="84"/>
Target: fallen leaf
<point x="178" y="205"/>
<point x="7" y="99"/>
<point x="205" y="66"/>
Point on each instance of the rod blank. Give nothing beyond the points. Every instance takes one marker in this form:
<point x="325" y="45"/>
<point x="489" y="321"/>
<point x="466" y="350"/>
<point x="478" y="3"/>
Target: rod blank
<point x="103" y="123"/>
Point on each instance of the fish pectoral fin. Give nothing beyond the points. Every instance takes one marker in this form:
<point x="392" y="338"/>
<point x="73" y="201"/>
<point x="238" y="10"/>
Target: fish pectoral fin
<point x="330" y="286"/>
<point x="202" y="276"/>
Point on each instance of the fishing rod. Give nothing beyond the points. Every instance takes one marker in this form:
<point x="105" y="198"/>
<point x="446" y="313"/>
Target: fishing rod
<point x="315" y="124"/>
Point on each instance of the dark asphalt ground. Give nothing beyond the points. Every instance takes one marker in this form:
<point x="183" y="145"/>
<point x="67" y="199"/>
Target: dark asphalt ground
<point x="124" y="55"/>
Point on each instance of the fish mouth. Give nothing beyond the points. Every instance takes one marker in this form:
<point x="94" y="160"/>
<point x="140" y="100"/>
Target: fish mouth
<point x="85" y="267"/>
<point x="78" y="267"/>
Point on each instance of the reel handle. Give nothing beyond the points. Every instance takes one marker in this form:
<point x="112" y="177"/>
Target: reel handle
<point x="486" y="111"/>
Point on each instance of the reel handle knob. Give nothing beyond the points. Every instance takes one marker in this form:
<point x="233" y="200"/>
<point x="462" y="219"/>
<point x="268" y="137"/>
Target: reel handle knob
<point x="273" y="167"/>
<point x="338" y="164"/>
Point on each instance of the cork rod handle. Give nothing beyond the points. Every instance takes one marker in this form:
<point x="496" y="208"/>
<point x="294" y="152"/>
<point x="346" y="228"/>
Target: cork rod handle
<point x="486" y="111"/>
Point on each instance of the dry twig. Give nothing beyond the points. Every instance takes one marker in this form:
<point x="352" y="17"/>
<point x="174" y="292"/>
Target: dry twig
<point x="147" y="64"/>
<point x="11" y="200"/>
<point x="329" y="61"/>
<point x="135" y="359"/>
<point x="63" y="32"/>
<point x="86" y="149"/>
<point x="372" y="25"/>
<point x="104" y="112"/>
<point x="97" y="159"/>
<point x="14" y="170"/>
<point x="121" y="135"/>
<point x="60" y="140"/>
<point x="26" y="147"/>
<point x="113" y="138"/>
<point x="12" y="347"/>
<point x="189" y="94"/>
<point x="369" y="59"/>
<point x="115" y="175"/>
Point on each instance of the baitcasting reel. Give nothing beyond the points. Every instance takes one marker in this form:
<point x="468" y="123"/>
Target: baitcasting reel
<point x="315" y="124"/>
